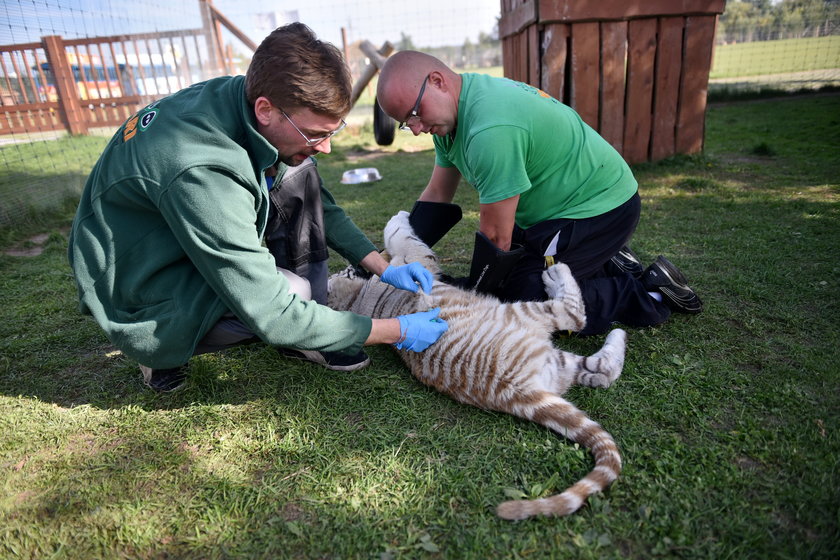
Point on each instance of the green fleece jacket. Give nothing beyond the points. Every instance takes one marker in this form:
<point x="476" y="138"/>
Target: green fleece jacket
<point x="167" y="236"/>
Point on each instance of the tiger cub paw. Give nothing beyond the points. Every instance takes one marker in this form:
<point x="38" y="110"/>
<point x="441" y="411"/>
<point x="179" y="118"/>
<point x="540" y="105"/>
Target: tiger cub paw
<point x="604" y="367"/>
<point x="397" y="232"/>
<point x="404" y="246"/>
<point x="559" y="282"/>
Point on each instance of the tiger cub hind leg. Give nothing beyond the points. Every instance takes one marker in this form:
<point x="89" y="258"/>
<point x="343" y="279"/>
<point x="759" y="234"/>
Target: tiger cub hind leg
<point x="565" y="300"/>
<point x="602" y="368"/>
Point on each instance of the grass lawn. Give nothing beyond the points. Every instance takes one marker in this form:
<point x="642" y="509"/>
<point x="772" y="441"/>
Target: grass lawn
<point x="728" y="421"/>
<point x="776" y="57"/>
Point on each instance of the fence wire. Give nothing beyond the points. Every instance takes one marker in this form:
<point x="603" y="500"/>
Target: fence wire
<point x="41" y="168"/>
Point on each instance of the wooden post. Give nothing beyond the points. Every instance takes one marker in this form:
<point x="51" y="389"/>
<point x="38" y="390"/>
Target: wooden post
<point x="345" y="47"/>
<point x="666" y="93"/>
<point x="585" y="71"/>
<point x="641" y="51"/>
<point x="70" y="107"/>
<point x="377" y="60"/>
<point x="699" y="42"/>
<point x="212" y="37"/>
<point x="613" y="55"/>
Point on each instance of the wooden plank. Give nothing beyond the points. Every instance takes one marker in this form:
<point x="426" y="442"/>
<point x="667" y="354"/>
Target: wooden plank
<point x="603" y="10"/>
<point x="20" y="47"/>
<point x="514" y="21"/>
<point x="669" y="48"/>
<point x="554" y="45"/>
<point x="65" y="85"/>
<point x="641" y="54"/>
<point x="697" y="62"/>
<point x="25" y="107"/>
<point x="25" y="121"/>
<point x="613" y="56"/>
<point x="219" y="17"/>
<point x="521" y="51"/>
<point x="585" y="71"/>
<point x="507" y="57"/>
<point x="124" y="38"/>
<point x="533" y="58"/>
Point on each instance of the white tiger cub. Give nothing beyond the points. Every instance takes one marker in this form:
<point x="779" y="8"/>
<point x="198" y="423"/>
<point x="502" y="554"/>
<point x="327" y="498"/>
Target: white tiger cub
<point x="500" y="356"/>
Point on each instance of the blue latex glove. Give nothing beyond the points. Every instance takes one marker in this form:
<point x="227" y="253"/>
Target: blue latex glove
<point x="420" y="330"/>
<point x="407" y="276"/>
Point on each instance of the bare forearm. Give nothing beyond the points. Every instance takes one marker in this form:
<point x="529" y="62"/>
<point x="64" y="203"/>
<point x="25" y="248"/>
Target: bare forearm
<point x="374" y="262"/>
<point x="384" y="331"/>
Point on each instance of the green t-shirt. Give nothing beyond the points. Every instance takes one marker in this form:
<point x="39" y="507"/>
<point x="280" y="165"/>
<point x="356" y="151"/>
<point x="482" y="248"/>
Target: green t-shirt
<point x="513" y="139"/>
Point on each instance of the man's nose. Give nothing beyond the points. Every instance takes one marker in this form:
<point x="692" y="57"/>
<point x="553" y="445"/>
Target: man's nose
<point x="324" y="147"/>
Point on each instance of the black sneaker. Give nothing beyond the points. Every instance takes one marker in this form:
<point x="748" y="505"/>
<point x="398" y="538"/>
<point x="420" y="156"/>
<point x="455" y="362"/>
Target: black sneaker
<point x="662" y="275"/>
<point x="165" y="380"/>
<point x="330" y="360"/>
<point x="627" y="261"/>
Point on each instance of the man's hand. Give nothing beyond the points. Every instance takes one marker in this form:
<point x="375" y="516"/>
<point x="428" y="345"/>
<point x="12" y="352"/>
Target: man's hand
<point x="407" y="276"/>
<point x="420" y="330"/>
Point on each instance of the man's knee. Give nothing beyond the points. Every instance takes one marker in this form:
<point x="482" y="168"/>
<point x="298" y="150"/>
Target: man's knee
<point x="297" y="284"/>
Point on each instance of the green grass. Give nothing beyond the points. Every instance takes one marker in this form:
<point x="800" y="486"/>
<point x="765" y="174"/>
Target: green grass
<point x="776" y="57"/>
<point x="42" y="177"/>
<point x="728" y="422"/>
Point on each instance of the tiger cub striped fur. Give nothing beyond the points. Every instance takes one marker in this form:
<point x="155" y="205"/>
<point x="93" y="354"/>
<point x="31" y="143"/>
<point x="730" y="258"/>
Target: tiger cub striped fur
<point x="500" y="356"/>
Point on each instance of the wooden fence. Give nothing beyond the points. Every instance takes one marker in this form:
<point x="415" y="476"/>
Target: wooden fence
<point x="635" y="70"/>
<point x="79" y="84"/>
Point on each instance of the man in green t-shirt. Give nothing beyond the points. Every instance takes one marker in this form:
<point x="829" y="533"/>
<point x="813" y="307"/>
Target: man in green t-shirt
<point x="549" y="187"/>
<point x="205" y="223"/>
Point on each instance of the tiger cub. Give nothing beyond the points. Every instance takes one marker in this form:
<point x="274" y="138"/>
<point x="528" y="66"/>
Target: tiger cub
<point x="500" y="356"/>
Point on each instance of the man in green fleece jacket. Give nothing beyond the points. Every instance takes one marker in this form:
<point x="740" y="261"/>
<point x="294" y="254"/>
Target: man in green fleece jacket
<point x="205" y="224"/>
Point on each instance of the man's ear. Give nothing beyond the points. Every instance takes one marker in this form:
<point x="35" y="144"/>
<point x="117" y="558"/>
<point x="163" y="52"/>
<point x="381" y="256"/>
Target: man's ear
<point x="438" y="80"/>
<point x="262" y="110"/>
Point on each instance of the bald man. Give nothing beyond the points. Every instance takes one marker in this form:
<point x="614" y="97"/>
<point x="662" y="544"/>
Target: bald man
<point x="549" y="187"/>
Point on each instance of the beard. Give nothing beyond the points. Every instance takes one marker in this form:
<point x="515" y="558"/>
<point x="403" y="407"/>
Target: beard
<point x="293" y="160"/>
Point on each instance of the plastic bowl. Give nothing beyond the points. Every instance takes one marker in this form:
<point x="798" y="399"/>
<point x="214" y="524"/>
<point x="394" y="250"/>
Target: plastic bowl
<point x="361" y="175"/>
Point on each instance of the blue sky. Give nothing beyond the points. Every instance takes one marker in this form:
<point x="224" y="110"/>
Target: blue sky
<point x="427" y="22"/>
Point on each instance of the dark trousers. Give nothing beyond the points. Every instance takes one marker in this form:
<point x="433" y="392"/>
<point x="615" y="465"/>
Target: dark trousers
<point x="586" y="246"/>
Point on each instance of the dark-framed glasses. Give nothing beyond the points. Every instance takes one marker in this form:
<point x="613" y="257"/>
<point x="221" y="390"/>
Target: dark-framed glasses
<point x="413" y="114"/>
<point x="314" y="141"/>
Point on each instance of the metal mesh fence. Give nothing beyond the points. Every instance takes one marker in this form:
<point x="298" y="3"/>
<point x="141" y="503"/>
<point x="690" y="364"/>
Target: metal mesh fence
<point x="781" y="57"/>
<point x="43" y="166"/>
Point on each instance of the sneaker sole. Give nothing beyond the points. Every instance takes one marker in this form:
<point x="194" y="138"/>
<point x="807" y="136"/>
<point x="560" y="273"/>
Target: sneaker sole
<point x="147" y="381"/>
<point x="692" y="305"/>
<point x="670" y="271"/>
<point x="627" y="261"/>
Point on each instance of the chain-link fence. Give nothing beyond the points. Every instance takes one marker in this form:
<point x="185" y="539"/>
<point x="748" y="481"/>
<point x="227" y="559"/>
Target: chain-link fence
<point x="760" y="45"/>
<point x="144" y="49"/>
<point x="773" y="46"/>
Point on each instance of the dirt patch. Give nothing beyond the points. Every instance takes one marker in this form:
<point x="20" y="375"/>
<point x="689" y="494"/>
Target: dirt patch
<point x="33" y="247"/>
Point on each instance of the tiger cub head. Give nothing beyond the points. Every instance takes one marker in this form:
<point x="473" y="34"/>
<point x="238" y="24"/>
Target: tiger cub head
<point x="343" y="288"/>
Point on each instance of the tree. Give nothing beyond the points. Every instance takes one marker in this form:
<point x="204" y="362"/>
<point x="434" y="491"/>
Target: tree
<point x="405" y="44"/>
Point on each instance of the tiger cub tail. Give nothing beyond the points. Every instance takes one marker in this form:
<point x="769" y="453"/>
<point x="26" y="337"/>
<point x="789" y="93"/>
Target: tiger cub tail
<point x="561" y="416"/>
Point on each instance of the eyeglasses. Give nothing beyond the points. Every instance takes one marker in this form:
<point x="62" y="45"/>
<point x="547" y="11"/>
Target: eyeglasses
<point x="404" y="124"/>
<point x="314" y="141"/>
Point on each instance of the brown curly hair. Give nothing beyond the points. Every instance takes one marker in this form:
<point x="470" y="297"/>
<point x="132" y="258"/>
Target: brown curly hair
<point x="294" y="69"/>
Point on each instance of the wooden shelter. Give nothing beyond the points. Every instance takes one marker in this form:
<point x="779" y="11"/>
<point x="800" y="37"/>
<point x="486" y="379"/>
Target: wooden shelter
<point x="635" y="70"/>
